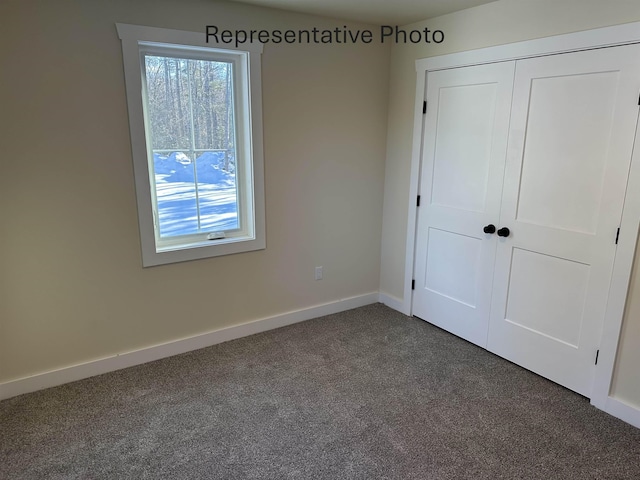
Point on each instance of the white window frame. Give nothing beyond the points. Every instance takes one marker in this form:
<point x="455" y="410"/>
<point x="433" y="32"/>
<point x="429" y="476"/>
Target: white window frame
<point x="140" y="40"/>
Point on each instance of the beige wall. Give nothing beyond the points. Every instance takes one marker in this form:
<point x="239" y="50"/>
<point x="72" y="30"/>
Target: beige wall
<point x="501" y="22"/>
<point x="71" y="285"/>
<point x="72" y="288"/>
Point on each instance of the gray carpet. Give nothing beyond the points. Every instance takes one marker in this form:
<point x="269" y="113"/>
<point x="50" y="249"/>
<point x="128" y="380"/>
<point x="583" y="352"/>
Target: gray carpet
<point x="364" y="394"/>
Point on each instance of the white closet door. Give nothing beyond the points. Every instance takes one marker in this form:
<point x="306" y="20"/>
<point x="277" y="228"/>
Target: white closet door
<point x="464" y="148"/>
<point x="571" y="137"/>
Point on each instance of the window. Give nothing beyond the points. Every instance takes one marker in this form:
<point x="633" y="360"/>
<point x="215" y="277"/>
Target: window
<point x="196" y="132"/>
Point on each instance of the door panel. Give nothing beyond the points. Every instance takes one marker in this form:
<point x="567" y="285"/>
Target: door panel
<point x="561" y="125"/>
<point x="464" y="112"/>
<point x="464" y="148"/>
<point x="453" y="263"/>
<point x="547" y="295"/>
<point x="572" y="131"/>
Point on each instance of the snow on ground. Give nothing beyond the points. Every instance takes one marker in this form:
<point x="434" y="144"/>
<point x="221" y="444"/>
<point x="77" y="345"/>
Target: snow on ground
<point x="176" y="194"/>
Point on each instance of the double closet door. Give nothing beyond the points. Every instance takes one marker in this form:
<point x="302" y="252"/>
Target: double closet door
<point x="523" y="176"/>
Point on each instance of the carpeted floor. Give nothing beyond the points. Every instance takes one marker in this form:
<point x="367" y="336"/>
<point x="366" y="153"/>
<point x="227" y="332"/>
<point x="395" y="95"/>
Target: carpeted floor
<point x="364" y="394"/>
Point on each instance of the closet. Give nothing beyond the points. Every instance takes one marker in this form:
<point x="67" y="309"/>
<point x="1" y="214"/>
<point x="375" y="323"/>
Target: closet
<point x="523" y="173"/>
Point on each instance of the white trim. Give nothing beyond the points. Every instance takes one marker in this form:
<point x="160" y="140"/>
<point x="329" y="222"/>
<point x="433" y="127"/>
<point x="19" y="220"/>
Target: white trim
<point x="570" y="42"/>
<point x="392" y="302"/>
<point x="176" y="347"/>
<point x="249" y="139"/>
<point x="619" y="288"/>
<point x="412" y="220"/>
<point x="623" y="411"/>
<point x="598" y="38"/>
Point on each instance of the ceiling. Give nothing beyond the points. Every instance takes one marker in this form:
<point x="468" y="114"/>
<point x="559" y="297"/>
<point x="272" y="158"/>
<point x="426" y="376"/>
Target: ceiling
<point x="376" y="12"/>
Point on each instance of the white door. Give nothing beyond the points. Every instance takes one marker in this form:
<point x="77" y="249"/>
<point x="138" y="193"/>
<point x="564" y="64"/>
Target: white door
<point x="571" y="137"/>
<point x="464" y="148"/>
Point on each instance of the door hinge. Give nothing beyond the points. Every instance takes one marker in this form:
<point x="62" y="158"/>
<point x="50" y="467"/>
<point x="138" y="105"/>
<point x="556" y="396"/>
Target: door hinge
<point x="418" y="201"/>
<point x="597" y="355"/>
<point x="424" y="107"/>
<point x="413" y="284"/>
<point x="617" y="235"/>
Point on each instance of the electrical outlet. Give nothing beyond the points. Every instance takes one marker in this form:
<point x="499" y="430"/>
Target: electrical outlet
<point x="318" y="273"/>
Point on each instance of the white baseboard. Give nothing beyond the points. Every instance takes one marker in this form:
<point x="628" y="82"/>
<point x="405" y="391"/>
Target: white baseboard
<point x="623" y="411"/>
<point x="156" y="352"/>
<point x="392" y="302"/>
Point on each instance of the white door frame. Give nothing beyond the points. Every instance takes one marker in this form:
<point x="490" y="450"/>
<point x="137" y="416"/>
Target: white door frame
<point x="598" y="38"/>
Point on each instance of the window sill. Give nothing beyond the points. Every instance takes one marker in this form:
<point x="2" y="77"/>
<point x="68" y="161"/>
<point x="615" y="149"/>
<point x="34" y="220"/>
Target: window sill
<point x="200" y="250"/>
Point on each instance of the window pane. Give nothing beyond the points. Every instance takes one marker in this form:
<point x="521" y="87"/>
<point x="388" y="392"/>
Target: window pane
<point x="187" y="205"/>
<point x="192" y="134"/>
<point x="212" y="94"/>
<point x="168" y="102"/>
<point x="217" y="192"/>
<point x="175" y="194"/>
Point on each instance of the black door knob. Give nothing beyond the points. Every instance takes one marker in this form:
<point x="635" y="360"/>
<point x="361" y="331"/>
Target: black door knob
<point x="490" y="229"/>
<point x="504" y="232"/>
